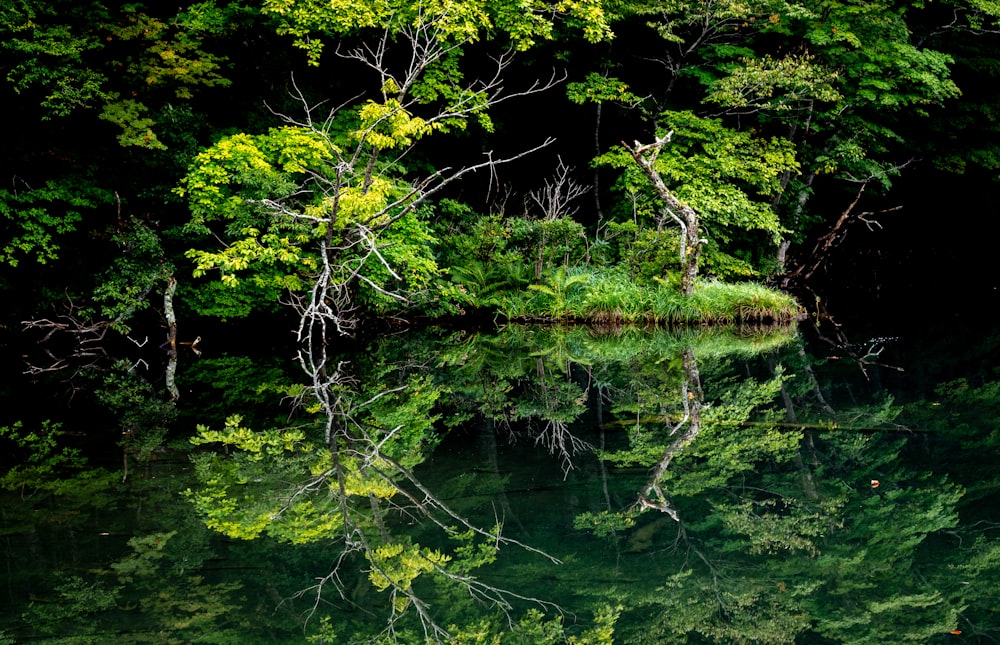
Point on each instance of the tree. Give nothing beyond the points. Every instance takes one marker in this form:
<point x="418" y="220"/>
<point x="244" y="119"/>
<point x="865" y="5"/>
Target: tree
<point x="685" y="216"/>
<point x="720" y="177"/>
<point x="852" y="88"/>
<point x="342" y="183"/>
<point x="325" y="207"/>
<point x="70" y="62"/>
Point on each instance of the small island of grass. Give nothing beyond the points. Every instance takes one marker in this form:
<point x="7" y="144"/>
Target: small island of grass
<point x="610" y="297"/>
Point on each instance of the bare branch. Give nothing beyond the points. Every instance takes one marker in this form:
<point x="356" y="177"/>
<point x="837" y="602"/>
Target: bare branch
<point x="555" y="198"/>
<point x="557" y="438"/>
<point x="823" y="247"/>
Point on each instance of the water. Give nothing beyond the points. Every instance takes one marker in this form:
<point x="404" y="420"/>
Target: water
<point x="730" y="486"/>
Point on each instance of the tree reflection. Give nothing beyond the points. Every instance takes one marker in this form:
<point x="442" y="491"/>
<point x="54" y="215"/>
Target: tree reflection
<point x="346" y="479"/>
<point x="344" y="474"/>
<point x="653" y="497"/>
<point x="761" y="553"/>
<point x="542" y="485"/>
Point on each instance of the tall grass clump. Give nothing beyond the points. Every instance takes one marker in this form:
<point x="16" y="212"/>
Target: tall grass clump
<point x="613" y="298"/>
<point x="720" y="302"/>
<point x="610" y="297"/>
<point x="668" y="305"/>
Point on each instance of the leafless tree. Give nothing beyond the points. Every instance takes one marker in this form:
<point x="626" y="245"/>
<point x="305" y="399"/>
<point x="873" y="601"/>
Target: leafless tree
<point x="555" y="199"/>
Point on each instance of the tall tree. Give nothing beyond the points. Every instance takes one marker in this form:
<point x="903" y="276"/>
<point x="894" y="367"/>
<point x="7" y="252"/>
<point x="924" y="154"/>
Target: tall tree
<point x="327" y="208"/>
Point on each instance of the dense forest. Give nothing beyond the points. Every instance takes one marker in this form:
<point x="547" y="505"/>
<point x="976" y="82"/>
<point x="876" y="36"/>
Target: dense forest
<point x="288" y="178"/>
<point x="438" y="159"/>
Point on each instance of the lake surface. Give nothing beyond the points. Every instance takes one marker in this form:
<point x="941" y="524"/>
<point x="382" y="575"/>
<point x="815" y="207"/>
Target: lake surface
<point x="532" y="484"/>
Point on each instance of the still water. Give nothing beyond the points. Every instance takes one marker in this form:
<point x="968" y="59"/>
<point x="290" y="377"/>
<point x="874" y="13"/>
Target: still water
<point x="533" y="485"/>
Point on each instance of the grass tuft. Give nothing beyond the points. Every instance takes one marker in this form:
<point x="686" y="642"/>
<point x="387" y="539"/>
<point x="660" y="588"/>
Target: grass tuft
<point x="611" y="298"/>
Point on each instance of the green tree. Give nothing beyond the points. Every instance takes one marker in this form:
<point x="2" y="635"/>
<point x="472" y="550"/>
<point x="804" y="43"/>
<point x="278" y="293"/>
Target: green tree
<point x="328" y="190"/>
<point x="852" y="88"/>
<point x="109" y="104"/>
<point x="718" y="181"/>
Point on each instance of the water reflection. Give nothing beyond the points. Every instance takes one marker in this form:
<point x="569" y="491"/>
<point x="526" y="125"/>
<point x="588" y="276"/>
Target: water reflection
<point x="536" y="485"/>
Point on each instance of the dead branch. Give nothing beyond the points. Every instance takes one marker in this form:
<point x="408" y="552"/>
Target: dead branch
<point x="554" y="199"/>
<point x="86" y="338"/>
<point x="826" y="243"/>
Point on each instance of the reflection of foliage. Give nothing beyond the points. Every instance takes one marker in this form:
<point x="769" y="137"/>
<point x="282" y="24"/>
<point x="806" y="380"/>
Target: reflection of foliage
<point x="233" y="497"/>
<point x="164" y="604"/>
<point x="964" y="415"/>
<point x="346" y="479"/>
<point x="603" y="524"/>
<point x="227" y="383"/>
<point x="781" y="524"/>
<point x="144" y="418"/>
<point x="78" y="602"/>
<point x="155" y="590"/>
<point x="771" y="566"/>
<point x="768" y="528"/>
<point x="42" y="462"/>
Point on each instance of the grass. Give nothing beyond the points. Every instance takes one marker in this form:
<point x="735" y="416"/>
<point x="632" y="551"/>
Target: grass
<point x="746" y="301"/>
<point x="588" y="345"/>
<point x="611" y="298"/>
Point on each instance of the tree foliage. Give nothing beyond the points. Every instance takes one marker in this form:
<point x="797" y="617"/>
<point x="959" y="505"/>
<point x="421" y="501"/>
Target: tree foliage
<point x="356" y="160"/>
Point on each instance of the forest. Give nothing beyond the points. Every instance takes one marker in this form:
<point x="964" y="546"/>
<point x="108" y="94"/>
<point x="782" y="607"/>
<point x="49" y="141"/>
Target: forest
<point x="588" y="159"/>
<point x="192" y="190"/>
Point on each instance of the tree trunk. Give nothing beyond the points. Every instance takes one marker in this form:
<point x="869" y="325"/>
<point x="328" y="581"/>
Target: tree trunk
<point x="171" y="344"/>
<point x="685" y="216"/>
<point x="691" y="251"/>
<point x="692" y="397"/>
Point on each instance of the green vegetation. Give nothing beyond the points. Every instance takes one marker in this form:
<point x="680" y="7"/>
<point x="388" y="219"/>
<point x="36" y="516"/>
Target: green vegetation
<point x="143" y="137"/>
<point x="632" y="486"/>
<point x="312" y="167"/>
<point x="613" y="298"/>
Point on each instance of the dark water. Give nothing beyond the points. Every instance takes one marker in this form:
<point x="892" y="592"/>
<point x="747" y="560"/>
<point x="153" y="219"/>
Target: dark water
<point x="728" y="486"/>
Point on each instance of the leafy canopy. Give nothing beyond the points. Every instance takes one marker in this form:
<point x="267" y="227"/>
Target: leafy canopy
<point x="455" y="21"/>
